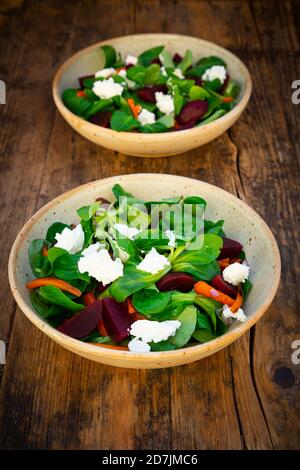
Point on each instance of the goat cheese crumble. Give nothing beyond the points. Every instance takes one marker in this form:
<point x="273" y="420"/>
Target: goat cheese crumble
<point x="172" y="238"/>
<point x="131" y="60"/>
<point x="129" y="232"/>
<point x="97" y="262"/>
<point x="239" y="315"/>
<point x="236" y="273"/>
<point x="105" y="73"/>
<point x="154" y="331"/>
<point x="70" y="240"/>
<point x="106" y="89"/>
<point x="146" y="117"/>
<point x="137" y="345"/>
<point x="153" y="262"/>
<point x="178" y="74"/>
<point x="165" y="103"/>
<point x="215" y="72"/>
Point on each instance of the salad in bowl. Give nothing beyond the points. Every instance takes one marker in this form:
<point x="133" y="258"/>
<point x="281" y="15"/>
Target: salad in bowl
<point x="153" y="92"/>
<point x="139" y="276"/>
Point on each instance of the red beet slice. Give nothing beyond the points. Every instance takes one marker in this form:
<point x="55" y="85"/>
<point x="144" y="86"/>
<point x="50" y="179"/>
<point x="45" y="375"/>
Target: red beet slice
<point x="128" y="66"/>
<point x="156" y="61"/>
<point x="192" y="111"/>
<point x="81" y="79"/>
<point x="102" y="200"/>
<point x="147" y="93"/>
<point x="219" y="283"/>
<point x="101" y="119"/>
<point x="176" y="281"/>
<point x="231" y="248"/>
<point x="198" y="80"/>
<point x="182" y="127"/>
<point x="84" y="322"/>
<point x="177" y="58"/>
<point x="116" y="319"/>
<point x="101" y="288"/>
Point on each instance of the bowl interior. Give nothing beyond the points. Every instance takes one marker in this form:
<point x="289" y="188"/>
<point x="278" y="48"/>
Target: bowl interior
<point x="91" y="59"/>
<point x="241" y="223"/>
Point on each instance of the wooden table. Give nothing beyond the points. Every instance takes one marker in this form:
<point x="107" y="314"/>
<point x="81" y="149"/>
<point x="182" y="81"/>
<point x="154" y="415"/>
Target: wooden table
<point x="246" y="396"/>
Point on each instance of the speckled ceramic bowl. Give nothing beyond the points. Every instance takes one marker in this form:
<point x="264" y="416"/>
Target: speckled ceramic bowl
<point x="241" y="222"/>
<point x="89" y="60"/>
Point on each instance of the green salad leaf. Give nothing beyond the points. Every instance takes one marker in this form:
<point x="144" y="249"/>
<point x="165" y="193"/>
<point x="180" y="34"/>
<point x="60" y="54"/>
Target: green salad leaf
<point x="110" y="55"/>
<point x="148" y="56"/>
<point x="40" y="264"/>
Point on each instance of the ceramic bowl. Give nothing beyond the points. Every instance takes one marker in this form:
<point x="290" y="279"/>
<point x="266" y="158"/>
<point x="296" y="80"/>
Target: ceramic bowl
<point x="241" y="222"/>
<point x="89" y="60"/>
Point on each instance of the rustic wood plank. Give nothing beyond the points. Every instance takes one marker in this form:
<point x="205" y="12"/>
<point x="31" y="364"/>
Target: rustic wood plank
<point x="268" y="166"/>
<point x="54" y="399"/>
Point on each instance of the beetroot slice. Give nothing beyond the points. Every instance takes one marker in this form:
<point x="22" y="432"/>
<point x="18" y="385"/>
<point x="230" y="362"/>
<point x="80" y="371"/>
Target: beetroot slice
<point x="219" y="283"/>
<point x="102" y="200"/>
<point x="182" y="127"/>
<point x="225" y="84"/>
<point x="101" y="119"/>
<point x="198" y="80"/>
<point x="156" y="61"/>
<point x="81" y="79"/>
<point x="231" y="248"/>
<point x="147" y="93"/>
<point x="84" y="322"/>
<point x="176" y="281"/>
<point x="192" y="111"/>
<point x="101" y="288"/>
<point x="177" y="58"/>
<point x="116" y="319"/>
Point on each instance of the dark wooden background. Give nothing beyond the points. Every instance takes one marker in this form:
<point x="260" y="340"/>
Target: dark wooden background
<point x="246" y="396"/>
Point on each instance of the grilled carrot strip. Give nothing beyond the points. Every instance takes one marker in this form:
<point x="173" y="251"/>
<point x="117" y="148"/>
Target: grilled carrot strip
<point x="53" y="281"/>
<point x="202" y="288"/>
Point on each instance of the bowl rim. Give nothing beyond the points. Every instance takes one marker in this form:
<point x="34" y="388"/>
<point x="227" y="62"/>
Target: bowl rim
<point x="81" y="347"/>
<point x="161" y="136"/>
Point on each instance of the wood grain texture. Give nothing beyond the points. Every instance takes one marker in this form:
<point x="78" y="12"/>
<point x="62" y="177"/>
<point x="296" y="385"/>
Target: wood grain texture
<point x="242" y="397"/>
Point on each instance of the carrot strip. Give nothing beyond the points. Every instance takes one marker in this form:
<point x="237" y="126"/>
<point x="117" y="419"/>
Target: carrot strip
<point x="237" y="303"/>
<point x="44" y="251"/>
<point x="202" y="288"/>
<point x="228" y="99"/>
<point x="81" y="93"/>
<point x="53" y="281"/>
<point x="224" y="263"/>
<point x="130" y="307"/>
<point x="120" y="69"/>
<point x="102" y="329"/>
<point x="89" y="298"/>
<point x="110" y="346"/>
<point x="135" y="109"/>
<point x="235" y="260"/>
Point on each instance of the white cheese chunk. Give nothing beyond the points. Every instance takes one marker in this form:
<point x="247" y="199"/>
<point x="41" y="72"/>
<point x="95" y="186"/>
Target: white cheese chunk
<point x="106" y="89"/>
<point x="101" y="266"/>
<point x="122" y="73"/>
<point x="172" y="238"/>
<point x="163" y="71"/>
<point x="131" y="60"/>
<point x="70" y="240"/>
<point x="146" y="117"/>
<point x="153" y="262"/>
<point x="136" y="345"/>
<point x="239" y="315"/>
<point x="216" y="71"/>
<point x="236" y="273"/>
<point x="178" y="74"/>
<point x="129" y="232"/>
<point x="90" y="250"/>
<point x="154" y="331"/>
<point x="105" y="73"/>
<point x="165" y="103"/>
